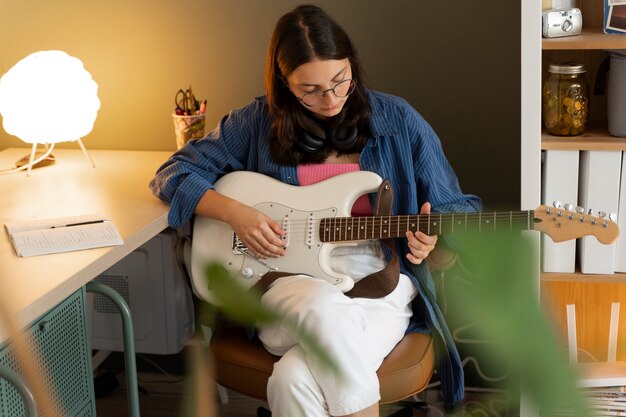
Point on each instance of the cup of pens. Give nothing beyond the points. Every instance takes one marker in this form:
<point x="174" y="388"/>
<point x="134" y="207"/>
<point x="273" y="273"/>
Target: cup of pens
<point x="188" y="127"/>
<point x="189" y="117"/>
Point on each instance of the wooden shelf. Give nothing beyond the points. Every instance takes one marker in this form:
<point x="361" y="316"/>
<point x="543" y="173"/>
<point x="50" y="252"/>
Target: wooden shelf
<point x="580" y="277"/>
<point x="595" y="138"/>
<point x="591" y="38"/>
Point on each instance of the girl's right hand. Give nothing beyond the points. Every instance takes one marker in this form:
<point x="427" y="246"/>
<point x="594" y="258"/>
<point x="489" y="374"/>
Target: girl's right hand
<point x="260" y="233"/>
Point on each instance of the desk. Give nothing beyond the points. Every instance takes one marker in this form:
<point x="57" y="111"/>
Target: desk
<point x="118" y="189"/>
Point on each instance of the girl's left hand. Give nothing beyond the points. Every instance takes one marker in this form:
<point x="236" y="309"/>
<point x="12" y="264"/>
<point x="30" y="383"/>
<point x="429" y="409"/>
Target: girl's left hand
<point x="420" y="244"/>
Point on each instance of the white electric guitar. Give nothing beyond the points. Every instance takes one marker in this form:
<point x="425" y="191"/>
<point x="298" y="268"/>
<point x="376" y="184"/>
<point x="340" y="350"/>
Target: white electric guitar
<point x="316" y="219"/>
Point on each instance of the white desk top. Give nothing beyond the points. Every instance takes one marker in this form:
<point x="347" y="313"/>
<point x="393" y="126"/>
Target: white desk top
<point x="117" y="188"/>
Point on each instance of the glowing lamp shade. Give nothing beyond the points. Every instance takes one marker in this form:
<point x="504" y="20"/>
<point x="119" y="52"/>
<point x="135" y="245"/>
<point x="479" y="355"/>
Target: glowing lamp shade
<point x="48" y="97"/>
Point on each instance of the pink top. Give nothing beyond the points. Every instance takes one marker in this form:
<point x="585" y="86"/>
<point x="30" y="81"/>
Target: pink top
<point x="312" y="173"/>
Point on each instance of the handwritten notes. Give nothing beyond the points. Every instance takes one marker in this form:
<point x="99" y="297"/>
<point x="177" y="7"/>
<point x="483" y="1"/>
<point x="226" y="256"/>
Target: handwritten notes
<point x="40" y="237"/>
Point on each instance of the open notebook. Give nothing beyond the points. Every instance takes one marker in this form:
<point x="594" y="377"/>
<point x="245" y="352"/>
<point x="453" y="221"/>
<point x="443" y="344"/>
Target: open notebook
<point x="64" y="234"/>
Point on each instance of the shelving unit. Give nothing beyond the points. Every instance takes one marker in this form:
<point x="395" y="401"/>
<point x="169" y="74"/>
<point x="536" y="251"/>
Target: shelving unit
<point x="595" y="138"/>
<point x="591" y="38"/>
<point x="592" y="294"/>
<point x="584" y="143"/>
<point x="580" y="277"/>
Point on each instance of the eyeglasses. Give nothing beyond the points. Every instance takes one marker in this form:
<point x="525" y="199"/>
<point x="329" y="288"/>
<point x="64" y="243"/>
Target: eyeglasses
<point x="341" y="90"/>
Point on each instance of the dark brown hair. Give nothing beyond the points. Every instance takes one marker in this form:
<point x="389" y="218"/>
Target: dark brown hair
<point x="305" y="34"/>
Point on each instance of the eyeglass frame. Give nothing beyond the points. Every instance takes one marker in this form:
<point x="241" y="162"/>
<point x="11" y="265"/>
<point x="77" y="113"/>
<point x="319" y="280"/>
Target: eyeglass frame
<point x="352" y="87"/>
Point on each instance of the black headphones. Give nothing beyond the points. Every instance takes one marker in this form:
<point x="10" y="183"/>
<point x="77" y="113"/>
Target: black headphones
<point x="342" y="138"/>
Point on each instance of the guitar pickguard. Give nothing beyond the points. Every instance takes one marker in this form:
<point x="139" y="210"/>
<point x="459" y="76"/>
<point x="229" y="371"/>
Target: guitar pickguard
<point x="301" y="241"/>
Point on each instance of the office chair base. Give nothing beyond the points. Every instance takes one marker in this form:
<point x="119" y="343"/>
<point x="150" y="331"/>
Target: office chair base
<point x="408" y="407"/>
<point x="263" y="412"/>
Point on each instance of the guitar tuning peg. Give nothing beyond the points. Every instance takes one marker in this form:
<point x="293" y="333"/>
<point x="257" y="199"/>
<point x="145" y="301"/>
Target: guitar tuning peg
<point x="590" y="212"/>
<point x="613" y="217"/>
<point x="569" y="206"/>
<point x="557" y="204"/>
<point x="601" y="214"/>
<point x="580" y="209"/>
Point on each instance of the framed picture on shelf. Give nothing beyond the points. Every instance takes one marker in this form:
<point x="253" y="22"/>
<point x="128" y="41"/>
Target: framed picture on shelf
<point x="615" y="16"/>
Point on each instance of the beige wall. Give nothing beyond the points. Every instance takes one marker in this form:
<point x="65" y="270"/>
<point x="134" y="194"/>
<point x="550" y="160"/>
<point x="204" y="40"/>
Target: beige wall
<point x="456" y="61"/>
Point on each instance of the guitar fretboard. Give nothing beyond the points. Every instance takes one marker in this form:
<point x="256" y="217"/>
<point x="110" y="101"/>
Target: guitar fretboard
<point x="336" y="229"/>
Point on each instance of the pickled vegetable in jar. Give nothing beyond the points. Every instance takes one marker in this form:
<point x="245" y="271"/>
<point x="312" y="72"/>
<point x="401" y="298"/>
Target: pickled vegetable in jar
<point x="566" y="100"/>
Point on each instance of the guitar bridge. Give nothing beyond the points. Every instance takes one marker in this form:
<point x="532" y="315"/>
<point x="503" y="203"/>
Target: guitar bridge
<point x="239" y="248"/>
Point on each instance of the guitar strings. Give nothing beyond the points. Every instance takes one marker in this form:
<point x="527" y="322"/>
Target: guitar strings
<point x="421" y="218"/>
<point x="350" y="228"/>
<point x="375" y="225"/>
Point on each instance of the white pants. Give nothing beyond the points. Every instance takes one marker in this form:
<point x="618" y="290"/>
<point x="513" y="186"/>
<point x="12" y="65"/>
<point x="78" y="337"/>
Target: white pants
<point x="357" y="332"/>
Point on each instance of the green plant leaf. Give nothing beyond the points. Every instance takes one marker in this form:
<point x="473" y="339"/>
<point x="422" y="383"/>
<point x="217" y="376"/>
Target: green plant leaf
<point x="244" y="306"/>
<point x="234" y="300"/>
<point x="498" y="291"/>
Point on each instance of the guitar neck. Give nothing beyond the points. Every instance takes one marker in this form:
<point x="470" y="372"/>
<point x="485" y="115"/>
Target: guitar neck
<point x="336" y="229"/>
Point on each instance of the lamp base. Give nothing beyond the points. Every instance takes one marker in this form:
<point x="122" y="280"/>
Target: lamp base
<point x="50" y="160"/>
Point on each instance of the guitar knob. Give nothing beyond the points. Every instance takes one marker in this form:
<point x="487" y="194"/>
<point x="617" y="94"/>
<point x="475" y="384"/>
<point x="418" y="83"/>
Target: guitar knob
<point x="601" y="214"/>
<point x="247" y="272"/>
<point x="569" y="206"/>
<point x="613" y="217"/>
<point x="557" y="204"/>
<point x="580" y="209"/>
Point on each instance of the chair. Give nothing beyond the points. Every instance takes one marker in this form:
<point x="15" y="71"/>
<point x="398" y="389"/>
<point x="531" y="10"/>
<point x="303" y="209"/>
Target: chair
<point x="244" y="366"/>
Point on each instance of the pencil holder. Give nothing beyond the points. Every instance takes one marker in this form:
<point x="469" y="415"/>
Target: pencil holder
<point x="188" y="127"/>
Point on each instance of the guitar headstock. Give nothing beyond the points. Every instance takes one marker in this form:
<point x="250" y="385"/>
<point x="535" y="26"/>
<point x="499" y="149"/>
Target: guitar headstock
<point x="562" y="224"/>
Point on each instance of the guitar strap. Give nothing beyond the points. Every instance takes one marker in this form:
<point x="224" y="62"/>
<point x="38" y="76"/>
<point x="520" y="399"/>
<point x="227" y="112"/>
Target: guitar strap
<point x="375" y="285"/>
<point x="383" y="282"/>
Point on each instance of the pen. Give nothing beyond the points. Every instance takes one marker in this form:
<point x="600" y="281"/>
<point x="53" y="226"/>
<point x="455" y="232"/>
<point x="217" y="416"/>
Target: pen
<point x="79" y="224"/>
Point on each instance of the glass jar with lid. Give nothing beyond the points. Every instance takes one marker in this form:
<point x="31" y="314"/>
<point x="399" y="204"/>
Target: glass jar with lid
<point x="566" y="99"/>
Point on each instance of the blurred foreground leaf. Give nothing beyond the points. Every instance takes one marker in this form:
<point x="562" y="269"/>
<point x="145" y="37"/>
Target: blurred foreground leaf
<point x="244" y="306"/>
<point x="235" y="301"/>
<point x="498" y="290"/>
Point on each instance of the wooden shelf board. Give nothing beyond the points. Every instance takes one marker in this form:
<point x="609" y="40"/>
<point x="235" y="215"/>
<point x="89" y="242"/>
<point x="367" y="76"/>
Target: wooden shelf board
<point x="580" y="277"/>
<point x="591" y="38"/>
<point x="595" y="138"/>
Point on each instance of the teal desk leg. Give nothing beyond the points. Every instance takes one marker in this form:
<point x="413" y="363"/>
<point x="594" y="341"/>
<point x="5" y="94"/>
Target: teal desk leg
<point x="129" y="343"/>
<point x="22" y="389"/>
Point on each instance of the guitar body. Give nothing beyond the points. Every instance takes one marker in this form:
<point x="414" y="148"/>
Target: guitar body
<point x="297" y="209"/>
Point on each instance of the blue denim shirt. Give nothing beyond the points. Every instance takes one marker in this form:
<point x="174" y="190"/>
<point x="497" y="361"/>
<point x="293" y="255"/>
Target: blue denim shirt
<point x="403" y="148"/>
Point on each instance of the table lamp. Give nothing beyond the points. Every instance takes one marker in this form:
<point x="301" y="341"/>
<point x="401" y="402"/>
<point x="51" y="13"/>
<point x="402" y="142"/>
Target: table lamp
<point x="46" y="98"/>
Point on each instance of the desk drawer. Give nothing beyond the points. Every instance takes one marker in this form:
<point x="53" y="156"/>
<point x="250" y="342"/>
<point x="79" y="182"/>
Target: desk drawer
<point x="60" y="342"/>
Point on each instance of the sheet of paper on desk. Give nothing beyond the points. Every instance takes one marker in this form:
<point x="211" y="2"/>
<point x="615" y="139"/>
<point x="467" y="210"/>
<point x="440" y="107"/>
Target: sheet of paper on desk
<point x="40" y="224"/>
<point x="41" y="237"/>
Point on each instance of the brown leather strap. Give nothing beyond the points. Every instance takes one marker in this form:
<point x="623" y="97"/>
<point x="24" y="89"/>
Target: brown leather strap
<point x="383" y="282"/>
<point x="375" y="285"/>
<point x="263" y="284"/>
<point x="384" y="199"/>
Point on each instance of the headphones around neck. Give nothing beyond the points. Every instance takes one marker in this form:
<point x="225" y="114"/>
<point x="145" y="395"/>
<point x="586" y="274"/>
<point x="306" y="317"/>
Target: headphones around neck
<point x="342" y="138"/>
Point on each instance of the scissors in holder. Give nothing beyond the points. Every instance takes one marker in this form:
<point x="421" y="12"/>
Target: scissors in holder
<point x="186" y="102"/>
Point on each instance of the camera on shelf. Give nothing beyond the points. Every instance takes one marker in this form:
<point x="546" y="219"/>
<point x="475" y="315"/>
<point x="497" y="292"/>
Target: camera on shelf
<point x="557" y="23"/>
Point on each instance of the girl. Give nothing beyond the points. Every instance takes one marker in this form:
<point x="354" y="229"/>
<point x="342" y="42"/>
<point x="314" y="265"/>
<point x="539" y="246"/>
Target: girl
<point x="317" y="120"/>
